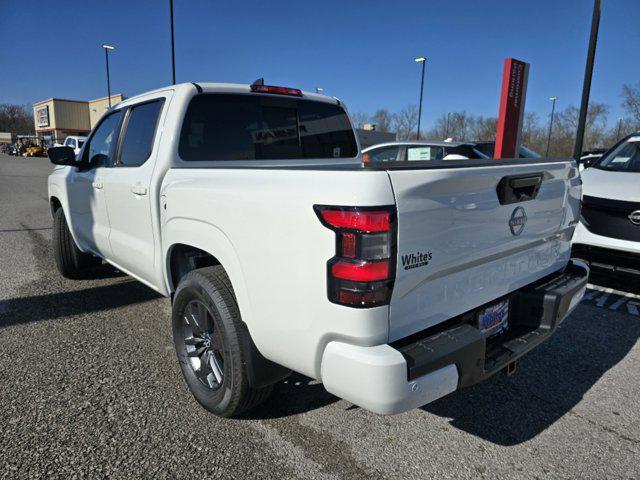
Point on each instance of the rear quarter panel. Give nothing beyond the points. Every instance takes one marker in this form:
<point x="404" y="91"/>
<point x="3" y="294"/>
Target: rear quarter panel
<point x="261" y="226"/>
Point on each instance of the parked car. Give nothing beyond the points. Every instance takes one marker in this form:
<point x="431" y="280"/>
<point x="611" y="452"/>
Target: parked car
<point x="249" y="206"/>
<point x="590" y="157"/>
<point x="74" y="142"/>
<point x="609" y="231"/>
<point x="488" y="149"/>
<point x="420" y="151"/>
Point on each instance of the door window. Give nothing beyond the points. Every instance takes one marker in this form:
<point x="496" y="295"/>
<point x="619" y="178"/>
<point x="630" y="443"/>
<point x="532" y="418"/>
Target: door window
<point x="71" y="143"/>
<point x="140" y="131"/>
<point x="102" y="145"/>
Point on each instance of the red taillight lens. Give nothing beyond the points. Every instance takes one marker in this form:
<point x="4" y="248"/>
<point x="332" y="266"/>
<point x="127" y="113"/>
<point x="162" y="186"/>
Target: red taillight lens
<point x="277" y="90"/>
<point x="363" y="220"/>
<point x="363" y="270"/>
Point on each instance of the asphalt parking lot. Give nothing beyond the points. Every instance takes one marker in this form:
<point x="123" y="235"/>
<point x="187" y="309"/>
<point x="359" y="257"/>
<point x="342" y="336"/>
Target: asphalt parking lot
<point x="90" y="387"/>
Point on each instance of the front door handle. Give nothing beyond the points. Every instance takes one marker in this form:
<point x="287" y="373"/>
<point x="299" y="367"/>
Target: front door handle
<point x="138" y="189"/>
<point x="97" y="185"/>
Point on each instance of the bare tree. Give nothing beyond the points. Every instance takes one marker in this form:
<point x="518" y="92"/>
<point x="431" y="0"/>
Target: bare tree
<point x="359" y="119"/>
<point x="631" y="102"/>
<point x="383" y="120"/>
<point x="483" y="128"/>
<point x="405" y="122"/>
<point x="16" y="119"/>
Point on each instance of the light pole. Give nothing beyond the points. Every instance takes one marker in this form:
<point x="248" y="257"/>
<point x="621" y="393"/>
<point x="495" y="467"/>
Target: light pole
<point x="588" y="73"/>
<point x="173" y="55"/>
<point x="319" y="89"/>
<point x="106" y="57"/>
<point x="421" y="60"/>
<point x="553" y="111"/>
<point x="619" y="127"/>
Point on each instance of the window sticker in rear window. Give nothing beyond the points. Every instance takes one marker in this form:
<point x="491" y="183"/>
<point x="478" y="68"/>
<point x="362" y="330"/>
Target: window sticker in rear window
<point x="415" y="154"/>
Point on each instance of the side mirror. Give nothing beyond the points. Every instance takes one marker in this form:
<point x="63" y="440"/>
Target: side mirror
<point x="62" y="156"/>
<point x="588" y="162"/>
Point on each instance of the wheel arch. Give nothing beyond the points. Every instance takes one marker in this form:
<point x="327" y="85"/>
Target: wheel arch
<point x="55" y="204"/>
<point x="189" y="244"/>
<point x="193" y="244"/>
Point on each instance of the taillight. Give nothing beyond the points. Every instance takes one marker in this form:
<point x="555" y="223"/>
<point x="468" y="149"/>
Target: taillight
<point x="362" y="271"/>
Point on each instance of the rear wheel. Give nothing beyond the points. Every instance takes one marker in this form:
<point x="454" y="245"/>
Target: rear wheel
<point x="209" y="339"/>
<point x="70" y="260"/>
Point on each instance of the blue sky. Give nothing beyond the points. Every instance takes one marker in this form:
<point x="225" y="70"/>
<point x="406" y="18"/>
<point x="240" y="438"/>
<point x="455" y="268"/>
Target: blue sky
<point x="361" y="52"/>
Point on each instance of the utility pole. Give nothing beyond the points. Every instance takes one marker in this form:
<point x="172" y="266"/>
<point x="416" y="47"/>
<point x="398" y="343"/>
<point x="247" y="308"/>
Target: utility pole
<point x="588" y="73"/>
<point x="553" y="111"/>
<point x="173" y="55"/>
<point x="422" y="60"/>
<point x="619" y="127"/>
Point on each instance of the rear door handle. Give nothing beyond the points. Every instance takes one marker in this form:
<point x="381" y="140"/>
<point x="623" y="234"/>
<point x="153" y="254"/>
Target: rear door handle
<point x="97" y="185"/>
<point x="138" y="189"/>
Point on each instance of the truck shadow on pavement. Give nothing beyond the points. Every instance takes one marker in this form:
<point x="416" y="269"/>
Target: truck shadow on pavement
<point x="294" y="395"/>
<point x="549" y="382"/>
<point x="35" y="308"/>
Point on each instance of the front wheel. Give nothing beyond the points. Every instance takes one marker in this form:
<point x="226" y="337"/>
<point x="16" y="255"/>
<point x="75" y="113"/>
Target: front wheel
<point x="210" y="341"/>
<point x="70" y="260"/>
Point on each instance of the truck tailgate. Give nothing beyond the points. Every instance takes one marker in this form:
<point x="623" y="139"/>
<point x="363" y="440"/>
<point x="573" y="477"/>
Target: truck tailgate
<point x="465" y="238"/>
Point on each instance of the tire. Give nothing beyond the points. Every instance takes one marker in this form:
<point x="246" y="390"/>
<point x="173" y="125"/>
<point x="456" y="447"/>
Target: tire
<point x="71" y="262"/>
<point x="210" y="342"/>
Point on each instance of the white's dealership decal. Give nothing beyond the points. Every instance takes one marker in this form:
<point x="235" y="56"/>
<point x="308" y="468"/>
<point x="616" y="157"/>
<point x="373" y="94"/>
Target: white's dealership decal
<point x="415" y="260"/>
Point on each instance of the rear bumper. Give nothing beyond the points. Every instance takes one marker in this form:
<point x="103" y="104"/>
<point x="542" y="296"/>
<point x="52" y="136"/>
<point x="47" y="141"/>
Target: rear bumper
<point x="394" y="378"/>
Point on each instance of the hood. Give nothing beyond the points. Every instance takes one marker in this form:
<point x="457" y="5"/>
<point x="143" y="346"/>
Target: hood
<point x="612" y="185"/>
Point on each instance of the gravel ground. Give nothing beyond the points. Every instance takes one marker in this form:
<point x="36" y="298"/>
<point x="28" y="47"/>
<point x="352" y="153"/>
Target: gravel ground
<point x="90" y="387"/>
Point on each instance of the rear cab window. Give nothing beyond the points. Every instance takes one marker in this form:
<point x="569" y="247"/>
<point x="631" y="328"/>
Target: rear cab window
<point x="221" y="126"/>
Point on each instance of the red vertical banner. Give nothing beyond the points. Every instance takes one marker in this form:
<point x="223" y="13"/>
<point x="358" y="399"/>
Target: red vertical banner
<point x="512" y="99"/>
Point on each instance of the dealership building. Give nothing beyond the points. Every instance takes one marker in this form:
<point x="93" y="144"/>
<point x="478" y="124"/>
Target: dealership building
<point x="57" y="118"/>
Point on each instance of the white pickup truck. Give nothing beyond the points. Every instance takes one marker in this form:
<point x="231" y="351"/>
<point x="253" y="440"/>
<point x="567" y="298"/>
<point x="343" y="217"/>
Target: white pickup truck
<point x="250" y="207"/>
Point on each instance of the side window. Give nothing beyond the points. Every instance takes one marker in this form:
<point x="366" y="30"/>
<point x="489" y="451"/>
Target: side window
<point x="71" y="143"/>
<point x="387" y="154"/>
<point x="140" y="131"/>
<point x="102" y="144"/>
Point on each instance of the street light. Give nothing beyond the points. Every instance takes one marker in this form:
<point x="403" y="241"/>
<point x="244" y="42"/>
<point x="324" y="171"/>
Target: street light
<point x="173" y="55"/>
<point x="319" y="89"/>
<point x="106" y="57"/>
<point x="421" y="60"/>
<point x="553" y="110"/>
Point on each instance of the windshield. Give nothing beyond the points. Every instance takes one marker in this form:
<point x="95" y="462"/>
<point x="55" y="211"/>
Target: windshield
<point x="624" y="158"/>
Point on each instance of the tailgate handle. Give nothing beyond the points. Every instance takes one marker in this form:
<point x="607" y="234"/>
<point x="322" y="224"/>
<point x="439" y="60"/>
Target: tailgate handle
<point x="518" y="188"/>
